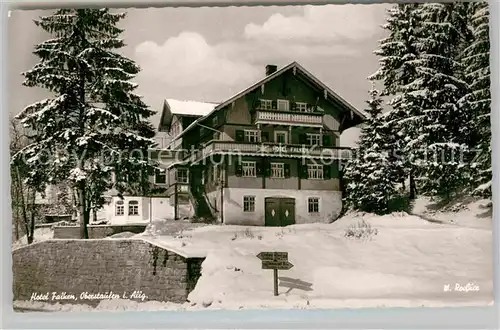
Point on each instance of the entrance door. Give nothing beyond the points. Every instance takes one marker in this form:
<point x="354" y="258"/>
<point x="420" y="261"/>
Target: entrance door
<point x="280" y="212"/>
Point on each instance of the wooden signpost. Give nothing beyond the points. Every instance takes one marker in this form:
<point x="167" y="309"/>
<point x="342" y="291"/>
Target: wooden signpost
<point x="275" y="261"/>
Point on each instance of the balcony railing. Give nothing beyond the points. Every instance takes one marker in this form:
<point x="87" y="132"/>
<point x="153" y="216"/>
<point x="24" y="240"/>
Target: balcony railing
<point x="270" y="149"/>
<point x="289" y="118"/>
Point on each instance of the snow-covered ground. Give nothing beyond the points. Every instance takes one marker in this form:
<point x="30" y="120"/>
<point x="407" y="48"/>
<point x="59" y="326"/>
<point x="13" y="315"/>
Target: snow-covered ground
<point x="40" y="235"/>
<point x="406" y="262"/>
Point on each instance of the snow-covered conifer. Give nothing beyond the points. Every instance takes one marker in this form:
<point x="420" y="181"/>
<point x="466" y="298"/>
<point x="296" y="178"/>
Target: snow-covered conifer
<point x="397" y="52"/>
<point x="436" y="142"/>
<point x="477" y="102"/>
<point x="93" y="112"/>
<point x="370" y="185"/>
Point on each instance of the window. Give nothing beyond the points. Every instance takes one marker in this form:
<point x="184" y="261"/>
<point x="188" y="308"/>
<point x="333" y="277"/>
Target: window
<point x="277" y="170"/>
<point x="176" y="128"/>
<point x="266" y="104"/>
<point x="313" y="205"/>
<point x="215" y="121"/>
<point x="301" y="106"/>
<point x="133" y="208"/>
<point x="248" y="203"/>
<point x="315" y="171"/>
<point x="281" y="137"/>
<point x="120" y="208"/>
<point x="251" y="136"/>
<point x="313" y="139"/>
<point x="283" y="105"/>
<point x="160" y="177"/>
<point x="248" y="169"/>
<point x="181" y="175"/>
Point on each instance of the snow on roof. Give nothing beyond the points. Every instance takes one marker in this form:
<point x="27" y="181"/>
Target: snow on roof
<point x="190" y="108"/>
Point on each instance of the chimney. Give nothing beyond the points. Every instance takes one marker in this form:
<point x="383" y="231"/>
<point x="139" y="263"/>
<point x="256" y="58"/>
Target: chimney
<point x="270" y="69"/>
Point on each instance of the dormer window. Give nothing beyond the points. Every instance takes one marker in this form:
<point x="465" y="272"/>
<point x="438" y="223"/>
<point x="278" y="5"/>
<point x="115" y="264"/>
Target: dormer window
<point x="283" y="105"/>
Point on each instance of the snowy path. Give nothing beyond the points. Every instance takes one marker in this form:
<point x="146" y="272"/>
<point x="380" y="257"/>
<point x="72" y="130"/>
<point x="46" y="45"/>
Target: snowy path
<point x="411" y="262"/>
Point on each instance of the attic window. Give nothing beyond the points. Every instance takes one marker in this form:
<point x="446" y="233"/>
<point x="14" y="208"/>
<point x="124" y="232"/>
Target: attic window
<point x="215" y="121"/>
<point x="266" y="104"/>
<point x="301" y="106"/>
<point x="283" y="105"/>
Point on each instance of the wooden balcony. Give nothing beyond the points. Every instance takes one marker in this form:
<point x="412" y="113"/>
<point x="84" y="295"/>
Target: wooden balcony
<point x="289" y="118"/>
<point x="270" y="150"/>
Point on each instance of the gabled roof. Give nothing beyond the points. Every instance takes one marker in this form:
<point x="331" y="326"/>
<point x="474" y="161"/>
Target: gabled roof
<point x="189" y="108"/>
<point x="294" y="65"/>
<point x="173" y="107"/>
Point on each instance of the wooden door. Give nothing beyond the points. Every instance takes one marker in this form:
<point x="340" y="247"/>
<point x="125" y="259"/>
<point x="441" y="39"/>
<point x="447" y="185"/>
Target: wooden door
<point x="287" y="211"/>
<point x="272" y="217"/>
<point x="279" y="212"/>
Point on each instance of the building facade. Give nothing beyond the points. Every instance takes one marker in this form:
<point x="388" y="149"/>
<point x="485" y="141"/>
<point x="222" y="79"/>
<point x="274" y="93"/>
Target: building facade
<point x="268" y="156"/>
<point x="136" y="209"/>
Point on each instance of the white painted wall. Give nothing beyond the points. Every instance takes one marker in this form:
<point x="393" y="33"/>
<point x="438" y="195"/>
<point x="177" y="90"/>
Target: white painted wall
<point x="161" y="208"/>
<point x="330" y="205"/>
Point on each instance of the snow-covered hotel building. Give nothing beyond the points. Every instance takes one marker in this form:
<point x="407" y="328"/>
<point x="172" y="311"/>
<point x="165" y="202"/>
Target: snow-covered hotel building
<point x="269" y="155"/>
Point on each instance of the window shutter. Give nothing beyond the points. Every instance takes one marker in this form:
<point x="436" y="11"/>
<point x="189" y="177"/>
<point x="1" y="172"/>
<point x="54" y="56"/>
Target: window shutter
<point x="274" y="104"/>
<point x="267" y="169"/>
<point x="302" y="138"/>
<point x="303" y="173"/>
<point x="264" y="136"/>
<point x="239" y="169"/>
<point x="327" y="140"/>
<point x="258" y="168"/>
<point x="287" y="170"/>
<point x="327" y="172"/>
<point x="240" y="135"/>
<point x="293" y="106"/>
<point x="257" y="104"/>
<point x="335" y="171"/>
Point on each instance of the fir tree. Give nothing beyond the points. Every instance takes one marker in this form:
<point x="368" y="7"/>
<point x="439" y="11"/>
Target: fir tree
<point x="476" y="103"/>
<point x="398" y="53"/>
<point x="436" y="140"/>
<point x="370" y="186"/>
<point x="94" y="111"/>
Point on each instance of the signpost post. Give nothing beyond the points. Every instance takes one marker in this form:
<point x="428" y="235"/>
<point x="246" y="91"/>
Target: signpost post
<point x="275" y="261"/>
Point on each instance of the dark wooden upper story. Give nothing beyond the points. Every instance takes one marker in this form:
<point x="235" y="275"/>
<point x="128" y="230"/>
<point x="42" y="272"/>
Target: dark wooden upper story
<point x="289" y="106"/>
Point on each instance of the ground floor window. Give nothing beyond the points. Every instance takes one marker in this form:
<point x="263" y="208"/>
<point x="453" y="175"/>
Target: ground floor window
<point x="313" y="204"/>
<point x="133" y="208"/>
<point x="120" y="208"/>
<point x="249" y="203"/>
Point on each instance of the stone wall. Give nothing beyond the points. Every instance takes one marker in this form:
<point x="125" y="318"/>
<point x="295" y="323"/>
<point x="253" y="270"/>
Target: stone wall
<point x="117" y="268"/>
<point x="97" y="231"/>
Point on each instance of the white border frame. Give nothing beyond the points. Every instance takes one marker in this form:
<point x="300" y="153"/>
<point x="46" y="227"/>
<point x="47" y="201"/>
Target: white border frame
<point x="386" y="318"/>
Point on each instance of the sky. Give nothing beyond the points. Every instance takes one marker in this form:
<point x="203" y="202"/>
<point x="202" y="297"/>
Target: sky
<point x="210" y="54"/>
